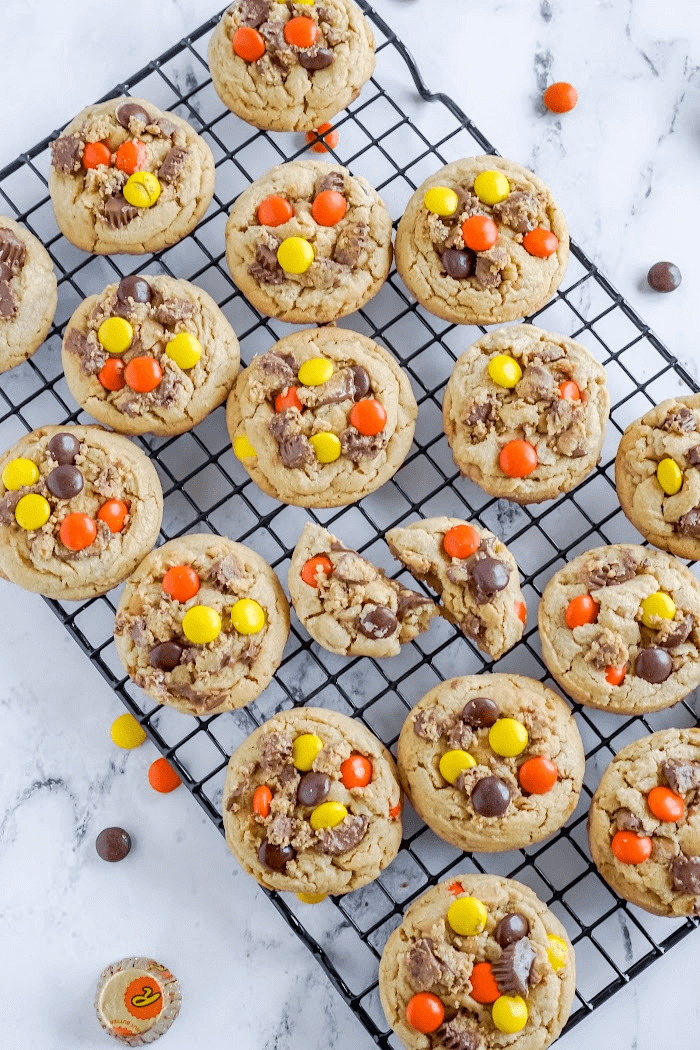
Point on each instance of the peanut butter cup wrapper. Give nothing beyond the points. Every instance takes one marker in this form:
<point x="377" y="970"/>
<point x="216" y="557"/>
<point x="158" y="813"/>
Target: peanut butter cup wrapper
<point x="137" y="1000"/>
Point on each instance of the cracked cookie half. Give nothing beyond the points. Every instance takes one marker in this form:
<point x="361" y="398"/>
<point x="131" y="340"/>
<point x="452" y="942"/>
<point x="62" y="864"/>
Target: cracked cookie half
<point x="28" y="293"/>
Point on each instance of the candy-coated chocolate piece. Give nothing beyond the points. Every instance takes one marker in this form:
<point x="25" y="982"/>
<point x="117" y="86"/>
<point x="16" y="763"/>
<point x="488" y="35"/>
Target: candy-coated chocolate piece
<point x="313" y="788"/>
<point x="581" y="610"/>
<point x="127" y="111"/>
<point x="135" y="288"/>
<point x="111" y="375"/>
<point x="441" y="200"/>
<point x="560" y="97"/>
<point x="452" y="763"/>
<point x="248" y="44"/>
<point x="425" y="1012"/>
<point x="315" y="371"/>
<point x="304" y="751"/>
<point x="126" y="732"/>
<point x="512" y="927"/>
<point x="540" y="243"/>
<point x="329" y="138"/>
<point x="484" y="987"/>
<point x="288" y="399"/>
<point x="315" y="569"/>
<point x="326" y="445"/>
<point x="20" y="473"/>
<point x="184" y="349"/>
<point x="142" y="189"/>
<point x="114" y="514"/>
<point x="479" y="233"/>
<point x="295" y="255"/>
<point x="467" y="916"/>
<point x="557" y="952"/>
<point x="242" y="448"/>
<point x="538" y="775"/>
<point x="115" y="334"/>
<point x="131" y="156"/>
<point x="181" y="582"/>
<point x="201" y="624"/>
<point x="301" y="32"/>
<point x="657" y="606"/>
<point x="510" y="1014"/>
<point x="664" y="277"/>
<point x="481" y="712"/>
<point x="491" y="187"/>
<point x="378" y="622"/>
<point x="113" y="845"/>
<point x="491" y="797"/>
<point x="329" y="208"/>
<point x="162" y="777"/>
<point x="262" y="798"/>
<point x="248" y="616"/>
<point x="368" y="416"/>
<point x="78" y="531"/>
<point x="96" y="155"/>
<point x="508" y="737"/>
<point x="653" y="664"/>
<point x="65" y="481"/>
<point x="32" y="511"/>
<point x="461" y="541"/>
<point x="274" y="211"/>
<point x="457" y="263"/>
<point x="311" y="898"/>
<point x="328" y="815"/>
<point x="669" y="476"/>
<point x="505" y="371"/>
<point x="64" y="447"/>
<point x="630" y="848"/>
<point x="666" y="805"/>
<point x="275" y="858"/>
<point x="518" y="458"/>
<point x="143" y="374"/>
<point x="490" y="575"/>
<point x="521" y="612"/>
<point x="356" y="771"/>
<point x="569" y="391"/>
<point x="615" y="675"/>
<point x="165" y="656"/>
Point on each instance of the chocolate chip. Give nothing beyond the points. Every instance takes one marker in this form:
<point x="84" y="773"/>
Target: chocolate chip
<point x="165" y="656"/>
<point x="65" y="482"/>
<point x="512" y="927"/>
<point x="127" y="111"/>
<point x="64" y="448"/>
<point x="491" y="797"/>
<point x="136" y="288"/>
<point x="361" y="379"/>
<point x="664" y="277"/>
<point x="480" y="712"/>
<point x="275" y="858"/>
<point x="457" y="264"/>
<point x="320" y="60"/>
<point x="490" y="575"/>
<point x="113" y="844"/>
<point x="654" y="665"/>
<point x="379" y="622"/>
<point x="313" y="788"/>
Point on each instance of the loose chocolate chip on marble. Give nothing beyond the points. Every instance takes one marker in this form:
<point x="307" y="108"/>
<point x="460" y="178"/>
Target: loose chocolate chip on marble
<point x="379" y="622"/>
<point x="113" y="844"/>
<point x="165" y="656"/>
<point x="361" y="379"/>
<point x="654" y="665"/>
<point x="127" y="111"/>
<point x="275" y="858"/>
<point x="480" y="712"/>
<point x="64" y="448"/>
<point x="490" y="575"/>
<point x="664" y="277"/>
<point x="65" y="481"/>
<point x="313" y="788"/>
<point x="491" y="797"/>
<point x="136" y="288"/>
<point x="458" y="264"/>
<point x="320" y="60"/>
<point x="512" y="927"/>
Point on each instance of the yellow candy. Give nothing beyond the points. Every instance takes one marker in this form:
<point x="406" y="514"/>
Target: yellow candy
<point x="310" y="898"/>
<point x="670" y="476"/>
<point x="508" y="737"/>
<point x="558" y="952"/>
<point x="326" y="446"/>
<point x="491" y="187"/>
<point x="304" y="751"/>
<point x="142" y="189"/>
<point x="316" y="371"/>
<point x="467" y="916"/>
<point x="127" y="733"/>
<point x="308" y="3"/>
<point x="441" y="201"/>
<point x="247" y="616"/>
<point x="242" y="448"/>
<point x="328" y="815"/>
<point x="453" y="763"/>
<point x="295" y="254"/>
<point x="184" y="349"/>
<point x="201" y="624"/>
<point x="32" y="512"/>
<point x="657" y="604"/>
<point x="505" y="370"/>
<point x="509" y="1013"/>
<point x="20" y="472"/>
<point x="115" y="335"/>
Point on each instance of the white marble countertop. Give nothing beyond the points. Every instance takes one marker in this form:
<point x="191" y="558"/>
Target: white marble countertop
<point x="624" y="167"/>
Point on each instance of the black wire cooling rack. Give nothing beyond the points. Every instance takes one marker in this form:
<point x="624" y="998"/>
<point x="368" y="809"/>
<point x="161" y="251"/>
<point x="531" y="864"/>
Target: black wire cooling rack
<point x="395" y="136"/>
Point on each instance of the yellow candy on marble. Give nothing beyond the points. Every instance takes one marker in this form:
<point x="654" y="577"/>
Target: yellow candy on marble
<point x="32" y="512"/>
<point x="505" y="370"/>
<point x="441" y="200"/>
<point x="315" y="371"/>
<point x="201" y="624"/>
<point x="310" y="898"/>
<point x="295" y="254"/>
<point x="510" y="1013"/>
<point x="19" y="473"/>
<point x="491" y="187"/>
<point x="247" y="616"/>
<point x="658" y="604"/>
<point x="452" y="763"/>
<point x="115" y="334"/>
<point x="328" y="815"/>
<point x="558" y="952"/>
<point x="508" y="737"/>
<point x="184" y="349"/>
<point x="326" y="446"/>
<point x="304" y="751"/>
<point x="467" y="916"/>
<point x="669" y="476"/>
<point x="242" y="448"/>
<point x="126" y="732"/>
<point x="142" y="189"/>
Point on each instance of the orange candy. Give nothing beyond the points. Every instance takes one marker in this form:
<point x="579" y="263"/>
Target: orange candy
<point x="665" y="804"/>
<point x="479" y="232"/>
<point x="262" y="797"/>
<point x="461" y="541"/>
<point x="143" y="374"/>
<point x="356" y="771"/>
<point x="456" y="888"/>
<point x="484" y="987"/>
<point x="301" y="32"/>
<point x="274" y="211"/>
<point x="425" y="1012"/>
<point x="96" y="154"/>
<point x="111" y="375"/>
<point x="560" y="97"/>
<point x="521" y="612"/>
<point x="113" y="513"/>
<point x="181" y="583"/>
<point x="581" y="610"/>
<point x="368" y="416"/>
<point x="77" y="531"/>
<point x="615" y="675"/>
<point x="320" y="564"/>
<point x="630" y="848"/>
<point x="329" y="208"/>
<point x="288" y="400"/>
<point x="248" y="44"/>
<point x="517" y="459"/>
<point x="540" y="242"/>
<point x="569" y="391"/>
<point x="162" y="777"/>
<point x="538" y="775"/>
<point x="131" y="157"/>
<point x="394" y="811"/>
<point x="328" y="141"/>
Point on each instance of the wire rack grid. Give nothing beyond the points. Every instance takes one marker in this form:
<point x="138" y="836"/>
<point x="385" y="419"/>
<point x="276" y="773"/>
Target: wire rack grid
<point x="395" y="138"/>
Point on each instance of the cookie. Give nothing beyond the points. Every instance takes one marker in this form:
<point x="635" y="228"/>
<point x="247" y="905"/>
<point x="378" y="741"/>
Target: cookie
<point x="312" y="803"/>
<point x="347" y="604"/>
<point x="641" y="825"/>
<point x="127" y="177"/>
<point x="657" y="475"/>
<point x="150" y="355"/>
<point x="309" y="242"/>
<point x="491" y="762"/>
<point x="202" y="624"/>
<point x="79" y="508"/>
<point x="620" y="629"/>
<point x="474" y="573"/>
<point x="524" y="412"/>
<point x="290" y="66"/>
<point x="28" y="293"/>
<point x="478" y="963"/>
<point x="482" y="241"/>
<point x="323" y="418"/>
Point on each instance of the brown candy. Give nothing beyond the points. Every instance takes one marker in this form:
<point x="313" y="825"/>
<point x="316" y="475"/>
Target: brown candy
<point x="165" y="656"/>
<point x="173" y="164"/>
<point x="67" y="154"/>
<point x="113" y="844"/>
<point x="654" y="665"/>
<point x="685" y="873"/>
<point x="5" y="271"/>
<point x="512" y="927"/>
<point x="491" y="797"/>
<point x="490" y="575"/>
<point x="361" y="379"/>
<point x="275" y="858"/>
<point x="512" y="970"/>
<point x="65" y="481"/>
<point x="64" y="448"/>
<point x="313" y="788"/>
<point x="664" y="277"/>
<point x="480" y="712"/>
<point x="320" y="60"/>
<point x="136" y="288"/>
<point x="13" y="251"/>
<point x="118" y="212"/>
<point x="127" y="111"/>
<point x="379" y="622"/>
<point x="8" y="301"/>
<point x="457" y="264"/>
